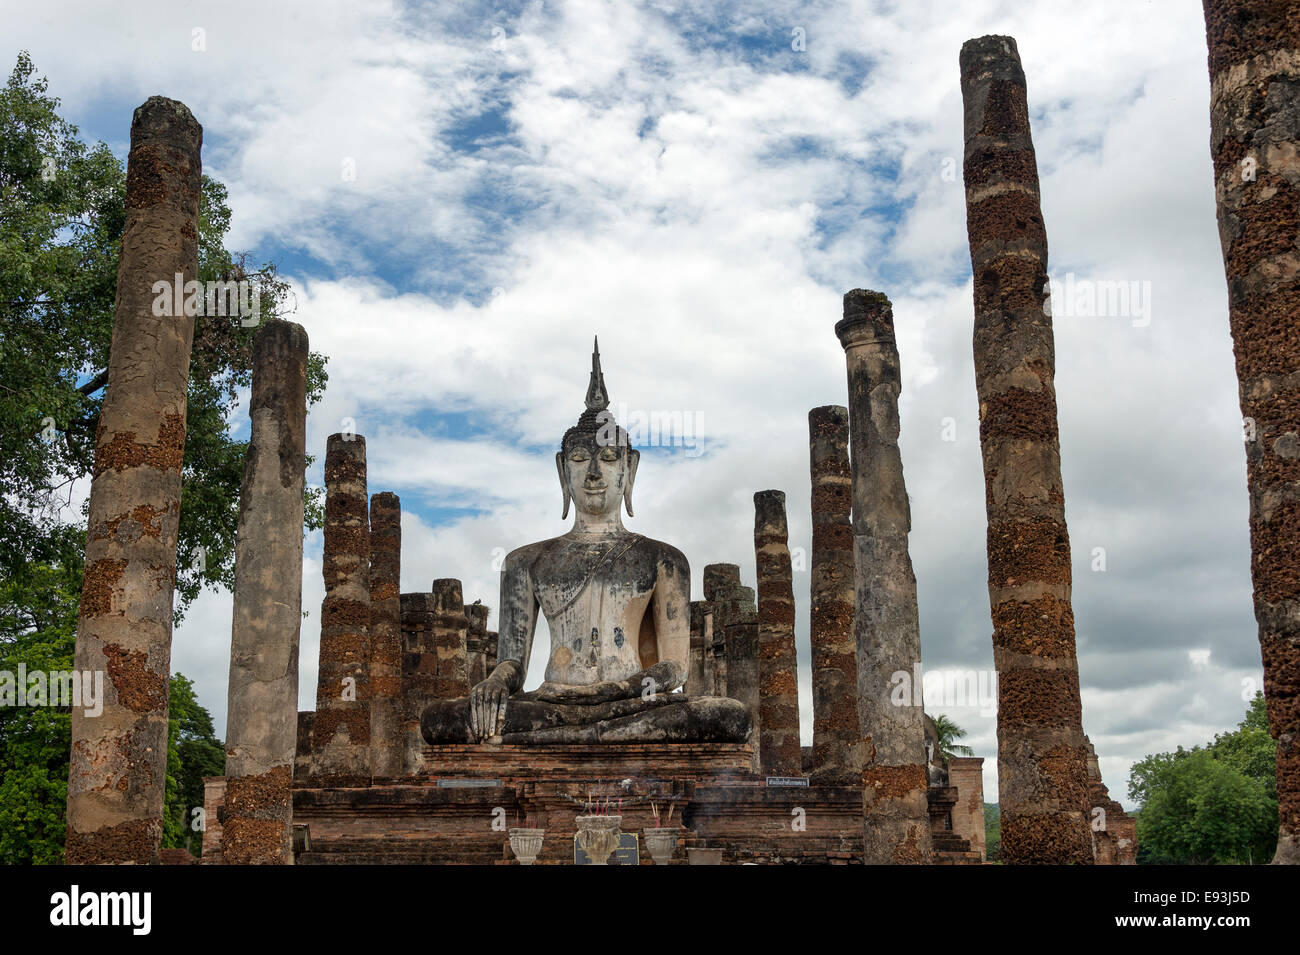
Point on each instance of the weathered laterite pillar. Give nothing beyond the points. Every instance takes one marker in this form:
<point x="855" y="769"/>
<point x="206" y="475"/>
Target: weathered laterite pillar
<point x="385" y="635"/>
<point x="741" y="613"/>
<point x="476" y="643"/>
<point x="718" y="580"/>
<point x="778" y="677"/>
<point x="836" y="750"/>
<point x="262" y="700"/>
<point x="117" y="775"/>
<point x="341" y="730"/>
<point x="1042" y="759"/>
<point x="1255" y="143"/>
<point x="450" y="639"/>
<point x="886" y="626"/>
<point x="698" y="678"/>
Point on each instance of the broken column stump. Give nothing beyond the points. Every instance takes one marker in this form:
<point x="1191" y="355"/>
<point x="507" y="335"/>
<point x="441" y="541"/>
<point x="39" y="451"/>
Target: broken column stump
<point x="886" y="625"/>
<point x="262" y="700"/>
<point x="719" y="579"/>
<point x="741" y="612"/>
<point x="836" y="749"/>
<point x="341" y="729"/>
<point x="450" y="640"/>
<point x="1255" y="144"/>
<point x="698" y="677"/>
<point x="778" y="678"/>
<point x="118" y="769"/>
<point x="1042" y="759"/>
<point x="476" y="643"/>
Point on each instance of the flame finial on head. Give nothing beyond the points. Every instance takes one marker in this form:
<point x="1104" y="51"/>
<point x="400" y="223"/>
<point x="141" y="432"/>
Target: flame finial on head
<point x="597" y="396"/>
<point x="596" y="418"/>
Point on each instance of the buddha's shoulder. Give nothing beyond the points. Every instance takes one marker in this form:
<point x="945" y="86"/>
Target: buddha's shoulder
<point x="637" y="547"/>
<point x="666" y="554"/>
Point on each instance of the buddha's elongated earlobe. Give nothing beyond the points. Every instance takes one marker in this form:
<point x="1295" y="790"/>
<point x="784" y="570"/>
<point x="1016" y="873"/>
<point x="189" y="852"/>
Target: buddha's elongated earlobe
<point x="564" y="482"/>
<point x="633" y="459"/>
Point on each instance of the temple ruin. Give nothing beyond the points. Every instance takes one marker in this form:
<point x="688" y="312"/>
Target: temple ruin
<point x="667" y="725"/>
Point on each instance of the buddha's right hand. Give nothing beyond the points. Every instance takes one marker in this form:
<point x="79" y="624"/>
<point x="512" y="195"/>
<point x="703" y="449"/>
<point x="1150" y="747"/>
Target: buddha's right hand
<point x="487" y="707"/>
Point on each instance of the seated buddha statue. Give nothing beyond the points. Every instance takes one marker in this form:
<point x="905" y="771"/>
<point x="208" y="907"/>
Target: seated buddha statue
<point x="617" y="604"/>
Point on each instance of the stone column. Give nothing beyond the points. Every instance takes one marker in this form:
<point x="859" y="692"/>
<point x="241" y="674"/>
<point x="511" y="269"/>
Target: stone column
<point x="419" y="672"/>
<point x="341" y="729"/>
<point x="886" y="626"/>
<point x="385" y="635"/>
<point x="778" y="674"/>
<point x="476" y="643"/>
<point x="1255" y="144"/>
<point x="698" y="678"/>
<point x="117" y="774"/>
<point x="262" y="700"/>
<point x="1042" y="765"/>
<point x="741" y="613"/>
<point x="719" y="579"/>
<point x="450" y="639"/>
<point x="836" y="749"/>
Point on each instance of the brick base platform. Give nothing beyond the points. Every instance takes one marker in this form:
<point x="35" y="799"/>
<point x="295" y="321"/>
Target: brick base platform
<point x="458" y="810"/>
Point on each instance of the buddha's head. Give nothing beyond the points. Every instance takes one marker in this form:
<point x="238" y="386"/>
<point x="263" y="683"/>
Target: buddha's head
<point x="596" y="462"/>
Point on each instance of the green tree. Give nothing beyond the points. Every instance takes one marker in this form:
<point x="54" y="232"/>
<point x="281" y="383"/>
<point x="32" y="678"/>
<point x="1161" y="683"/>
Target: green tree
<point x="193" y="751"/>
<point x="38" y="629"/>
<point x="949" y="732"/>
<point x="1211" y="804"/>
<point x="992" y="832"/>
<point x="61" y="219"/>
<point x="1249" y="748"/>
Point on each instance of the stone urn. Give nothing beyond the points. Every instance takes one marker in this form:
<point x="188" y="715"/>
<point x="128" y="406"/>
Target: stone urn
<point x="661" y="843"/>
<point x="598" y="836"/>
<point x="526" y="844"/>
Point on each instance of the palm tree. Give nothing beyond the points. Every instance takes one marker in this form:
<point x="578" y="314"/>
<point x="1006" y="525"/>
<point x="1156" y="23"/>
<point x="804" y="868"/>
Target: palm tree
<point x="949" y="732"/>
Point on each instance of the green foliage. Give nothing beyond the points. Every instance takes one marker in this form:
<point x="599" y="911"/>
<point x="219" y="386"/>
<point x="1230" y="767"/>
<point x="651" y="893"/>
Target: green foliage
<point x="949" y="732"/>
<point x="193" y="751"/>
<point x="1212" y="804"/>
<point x="992" y="832"/>
<point x="61" y="220"/>
<point x="38" y="630"/>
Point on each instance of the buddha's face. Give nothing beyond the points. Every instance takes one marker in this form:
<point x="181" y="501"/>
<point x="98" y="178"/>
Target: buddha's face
<point x="597" y="475"/>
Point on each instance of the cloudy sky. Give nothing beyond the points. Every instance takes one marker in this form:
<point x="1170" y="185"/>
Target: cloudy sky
<point x="464" y="194"/>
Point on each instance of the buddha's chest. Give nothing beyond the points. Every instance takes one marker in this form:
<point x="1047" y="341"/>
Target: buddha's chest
<point x="595" y="610"/>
